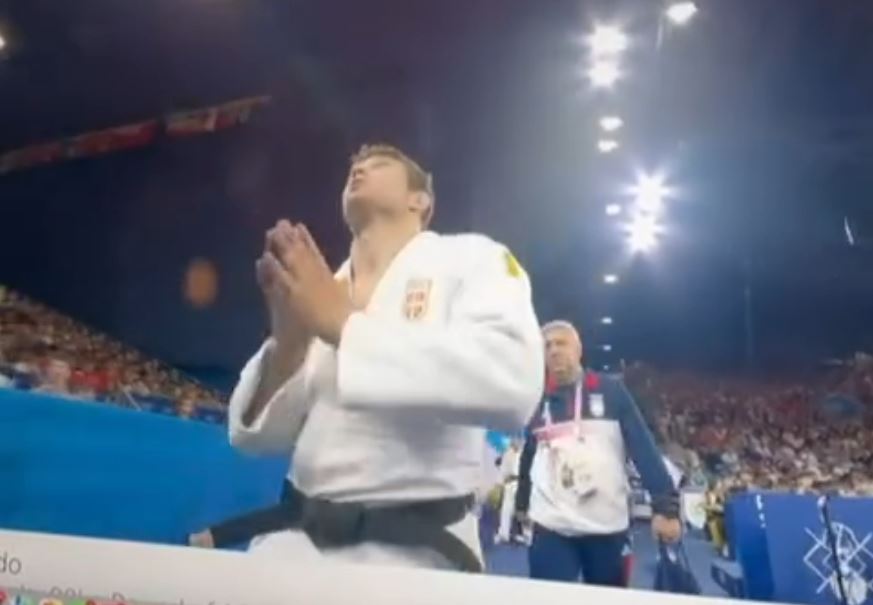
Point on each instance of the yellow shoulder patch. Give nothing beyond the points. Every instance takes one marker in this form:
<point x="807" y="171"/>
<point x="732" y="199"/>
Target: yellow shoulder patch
<point x="513" y="267"/>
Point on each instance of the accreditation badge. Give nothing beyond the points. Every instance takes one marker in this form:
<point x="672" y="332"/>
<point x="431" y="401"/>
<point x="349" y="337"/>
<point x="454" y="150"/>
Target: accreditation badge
<point x="570" y="468"/>
<point x="597" y="405"/>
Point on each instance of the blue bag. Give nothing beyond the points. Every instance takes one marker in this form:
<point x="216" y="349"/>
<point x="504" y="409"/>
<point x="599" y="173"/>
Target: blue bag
<point x="673" y="572"/>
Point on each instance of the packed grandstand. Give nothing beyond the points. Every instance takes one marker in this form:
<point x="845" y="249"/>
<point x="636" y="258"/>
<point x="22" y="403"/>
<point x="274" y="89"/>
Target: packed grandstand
<point x="813" y="433"/>
<point x="44" y="350"/>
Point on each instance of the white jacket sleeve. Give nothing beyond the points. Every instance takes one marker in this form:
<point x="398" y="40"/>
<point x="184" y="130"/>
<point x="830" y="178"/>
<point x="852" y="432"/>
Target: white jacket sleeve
<point x="276" y="429"/>
<point x="484" y="367"/>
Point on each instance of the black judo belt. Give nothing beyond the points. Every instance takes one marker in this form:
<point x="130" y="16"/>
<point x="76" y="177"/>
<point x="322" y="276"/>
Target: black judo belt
<point x="341" y="524"/>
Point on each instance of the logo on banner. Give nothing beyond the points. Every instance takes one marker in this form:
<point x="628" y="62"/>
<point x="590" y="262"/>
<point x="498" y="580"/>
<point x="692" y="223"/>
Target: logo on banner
<point x="417" y="299"/>
<point x="854" y="560"/>
<point x="598" y="408"/>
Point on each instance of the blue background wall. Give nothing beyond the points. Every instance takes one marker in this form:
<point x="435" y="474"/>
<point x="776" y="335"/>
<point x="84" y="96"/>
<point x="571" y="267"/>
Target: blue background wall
<point x="88" y="469"/>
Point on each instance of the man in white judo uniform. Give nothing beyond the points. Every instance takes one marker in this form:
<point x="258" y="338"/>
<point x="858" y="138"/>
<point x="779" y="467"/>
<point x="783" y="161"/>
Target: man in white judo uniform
<point x="509" y="465"/>
<point x="383" y="377"/>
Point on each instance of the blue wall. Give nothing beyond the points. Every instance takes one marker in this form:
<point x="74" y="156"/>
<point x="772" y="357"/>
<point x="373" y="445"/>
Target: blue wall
<point x="89" y="469"/>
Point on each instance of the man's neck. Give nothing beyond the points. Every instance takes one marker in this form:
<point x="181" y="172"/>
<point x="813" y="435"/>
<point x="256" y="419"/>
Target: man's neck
<point x="376" y="245"/>
<point x="570" y="380"/>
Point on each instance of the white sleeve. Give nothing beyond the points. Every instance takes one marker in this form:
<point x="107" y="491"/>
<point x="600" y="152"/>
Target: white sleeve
<point x="484" y="367"/>
<point x="508" y="464"/>
<point x="275" y="430"/>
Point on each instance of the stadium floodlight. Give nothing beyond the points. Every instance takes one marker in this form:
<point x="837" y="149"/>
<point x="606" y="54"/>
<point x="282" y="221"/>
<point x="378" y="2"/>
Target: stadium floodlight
<point x="611" y="123"/>
<point x="649" y="193"/>
<point x="644" y="231"/>
<point x="606" y="321"/>
<point x="607" y="40"/>
<point x="604" y="74"/>
<point x="681" y="13"/>
<point x="610" y="278"/>
<point x="607" y="145"/>
<point x="613" y="209"/>
<point x="607" y="348"/>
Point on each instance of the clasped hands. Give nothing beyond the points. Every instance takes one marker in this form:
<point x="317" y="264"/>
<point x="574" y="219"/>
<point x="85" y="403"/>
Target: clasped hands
<point x="303" y="297"/>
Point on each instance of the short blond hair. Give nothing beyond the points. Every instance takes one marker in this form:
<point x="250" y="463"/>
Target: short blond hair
<point x="418" y="178"/>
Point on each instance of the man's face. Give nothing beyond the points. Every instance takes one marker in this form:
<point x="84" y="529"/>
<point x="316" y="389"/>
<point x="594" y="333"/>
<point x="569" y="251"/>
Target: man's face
<point x="58" y="372"/>
<point x="563" y="354"/>
<point x="378" y="184"/>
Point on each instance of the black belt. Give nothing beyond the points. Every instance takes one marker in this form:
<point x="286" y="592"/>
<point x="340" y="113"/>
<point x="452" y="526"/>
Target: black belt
<point x="341" y="524"/>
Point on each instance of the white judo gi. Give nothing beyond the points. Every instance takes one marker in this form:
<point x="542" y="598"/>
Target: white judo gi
<point x="509" y="478"/>
<point x="448" y="345"/>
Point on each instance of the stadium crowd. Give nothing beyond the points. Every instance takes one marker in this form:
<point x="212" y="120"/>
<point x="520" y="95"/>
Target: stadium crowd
<point x="804" y="435"/>
<point x="44" y="350"/>
<point x="811" y="434"/>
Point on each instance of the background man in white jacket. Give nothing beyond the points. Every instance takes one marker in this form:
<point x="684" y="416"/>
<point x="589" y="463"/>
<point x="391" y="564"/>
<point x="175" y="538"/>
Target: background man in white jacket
<point x="383" y="378"/>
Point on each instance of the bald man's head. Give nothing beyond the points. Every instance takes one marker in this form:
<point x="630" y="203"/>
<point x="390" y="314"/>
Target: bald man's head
<point x="563" y="351"/>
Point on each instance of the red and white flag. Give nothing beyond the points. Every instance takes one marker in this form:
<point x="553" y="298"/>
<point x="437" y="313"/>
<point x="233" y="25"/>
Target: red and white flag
<point x="237" y="112"/>
<point x="112" y="139"/>
<point x="187" y="123"/>
<point x="34" y="155"/>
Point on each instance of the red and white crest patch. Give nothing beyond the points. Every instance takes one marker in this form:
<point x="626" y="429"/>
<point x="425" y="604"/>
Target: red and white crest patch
<point x="417" y="299"/>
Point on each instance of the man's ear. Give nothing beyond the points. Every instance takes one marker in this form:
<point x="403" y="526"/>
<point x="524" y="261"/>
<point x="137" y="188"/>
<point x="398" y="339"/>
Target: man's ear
<point x="419" y="202"/>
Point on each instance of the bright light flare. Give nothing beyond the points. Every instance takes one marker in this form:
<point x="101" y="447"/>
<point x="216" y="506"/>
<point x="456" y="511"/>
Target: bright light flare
<point x="2" y="42"/>
<point x="607" y="40"/>
<point x="610" y="278"/>
<point x="607" y="145"/>
<point x="643" y="233"/>
<point x="606" y="321"/>
<point x="611" y="123"/>
<point x="607" y="348"/>
<point x="681" y="13"/>
<point x="604" y="74"/>
<point x="613" y="209"/>
<point x="650" y="192"/>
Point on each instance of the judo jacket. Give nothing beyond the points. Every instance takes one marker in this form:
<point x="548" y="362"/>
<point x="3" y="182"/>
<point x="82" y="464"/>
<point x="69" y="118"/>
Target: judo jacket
<point x="447" y="347"/>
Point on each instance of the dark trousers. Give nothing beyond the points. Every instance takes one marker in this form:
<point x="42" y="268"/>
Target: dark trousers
<point x="596" y="558"/>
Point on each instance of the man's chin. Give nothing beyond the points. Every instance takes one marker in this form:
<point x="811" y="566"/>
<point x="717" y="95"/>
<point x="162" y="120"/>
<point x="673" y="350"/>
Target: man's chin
<point x="560" y="376"/>
<point x="356" y="211"/>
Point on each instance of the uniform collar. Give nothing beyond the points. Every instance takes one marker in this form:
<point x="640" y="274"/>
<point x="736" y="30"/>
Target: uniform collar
<point x="564" y="390"/>
<point x="590" y="382"/>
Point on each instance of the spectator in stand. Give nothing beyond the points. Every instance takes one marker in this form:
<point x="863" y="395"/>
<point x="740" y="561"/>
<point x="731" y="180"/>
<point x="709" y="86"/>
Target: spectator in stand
<point x="769" y="434"/>
<point x="42" y="349"/>
<point x="187" y="407"/>
<point x="89" y="379"/>
<point x="57" y="377"/>
<point x="7" y="374"/>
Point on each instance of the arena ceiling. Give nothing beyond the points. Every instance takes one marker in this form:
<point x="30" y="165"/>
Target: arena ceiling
<point x="758" y="112"/>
